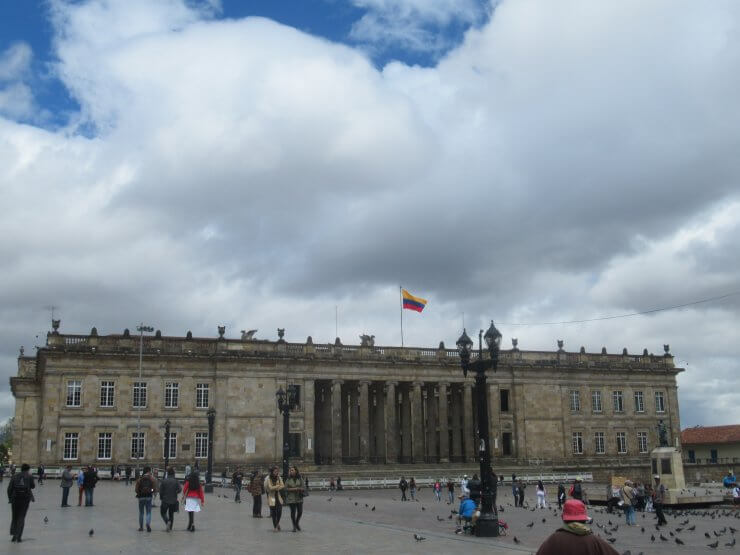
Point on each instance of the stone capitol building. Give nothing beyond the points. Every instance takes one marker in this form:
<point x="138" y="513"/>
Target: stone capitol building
<point x="82" y="398"/>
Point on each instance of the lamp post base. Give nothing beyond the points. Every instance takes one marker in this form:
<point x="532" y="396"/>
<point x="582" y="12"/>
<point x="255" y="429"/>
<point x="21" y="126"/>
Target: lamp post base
<point x="487" y="525"/>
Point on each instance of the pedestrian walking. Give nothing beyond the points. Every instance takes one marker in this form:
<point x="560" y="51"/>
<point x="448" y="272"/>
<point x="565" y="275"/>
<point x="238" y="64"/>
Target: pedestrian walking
<point x="20" y="495"/>
<point x="541" y="494"/>
<point x="659" y="500"/>
<point x="67" y="480"/>
<point x="450" y="491"/>
<point x="339" y="483"/>
<point x="237" y="480"/>
<point x="187" y="471"/>
<point x="412" y="488"/>
<point x="41" y="471"/>
<point x="561" y="495"/>
<point x="294" y="497"/>
<point x="576" y="490"/>
<point x="403" y="485"/>
<point x="256" y="488"/>
<point x="169" y="488"/>
<point x="145" y="487"/>
<point x="89" y="480"/>
<point x="81" y="485"/>
<point x="128" y="475"/>
<point x="438" y="490"/>
<point x="332" y="484"/>
<point x="273" y="488"/>
<point x="521" y="486"/>
<point x="628" y="500"/>
<point x="464" y="486"/>
<point x="223" y="478"/>
<point x="193" y="498"/>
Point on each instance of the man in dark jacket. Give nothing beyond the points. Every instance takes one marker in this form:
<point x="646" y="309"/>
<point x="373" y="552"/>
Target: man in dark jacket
<point x="168" y="490"/>
<point x="256" y="487"/>
<point x="68" y="480"/>
<point x="89" y="481"/>
<point x="237" y="479"/>
<point x="403" y="485"/>
<point x="145" y="488"/>
<point x="575" y="537"/>
<point x="20" y="495"/>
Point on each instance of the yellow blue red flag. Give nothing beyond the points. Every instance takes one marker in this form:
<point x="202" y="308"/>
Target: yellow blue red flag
<point x="412" y="303"/>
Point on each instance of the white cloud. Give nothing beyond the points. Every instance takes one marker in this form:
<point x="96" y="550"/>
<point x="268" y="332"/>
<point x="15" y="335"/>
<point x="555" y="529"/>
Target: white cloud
<point x="16" y="98"/>
<point x="566" y="161"/>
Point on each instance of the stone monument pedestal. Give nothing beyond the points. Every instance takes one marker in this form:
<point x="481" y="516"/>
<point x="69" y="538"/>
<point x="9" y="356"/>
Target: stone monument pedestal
<point x="666" y="462"/>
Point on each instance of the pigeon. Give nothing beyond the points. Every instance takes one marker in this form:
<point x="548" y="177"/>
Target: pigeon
<point x="706" y="535"/>
<point x="730" y="544"/>
<point x="46" y="520"/>
<point x="91" y="532"/>
<point x="458" y="530"/>
<point x="373" y="508"/>
<point x="663" y="538"/>
<point x="713" y="545"/>
<point x="611" y="540"/>
<point x="679" y="542"/>
<point x="642" y="529"/>
<point x="516" y="540"/>
<point x="732" y="530"/>
<point x="450" y="517"/>
<point x="419" y="538"/>
<point x="423" y="508"/>
<point x="691" y="528"/>
<point x="652" y="538"/>
<point x="440" y="519"/>
<point x="530" y="524"/>
<point x="671" y="533"/>
<point x="366" y="505"/>
<point x="355" y="503"/>
<point x="544" y="520"/>
<point x="329" y="500"/>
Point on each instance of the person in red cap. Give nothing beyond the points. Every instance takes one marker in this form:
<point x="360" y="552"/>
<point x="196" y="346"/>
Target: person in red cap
<point x="575" y="537"/>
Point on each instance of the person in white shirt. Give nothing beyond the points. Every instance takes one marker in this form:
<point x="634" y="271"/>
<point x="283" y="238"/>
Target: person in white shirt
<point x="464" y="486"/>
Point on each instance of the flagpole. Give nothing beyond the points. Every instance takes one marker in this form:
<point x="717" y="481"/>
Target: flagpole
<point x="400" y="297"/>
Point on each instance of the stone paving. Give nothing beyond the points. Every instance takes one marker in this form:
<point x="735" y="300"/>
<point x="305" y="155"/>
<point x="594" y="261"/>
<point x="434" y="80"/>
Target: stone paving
<point x="332" y="522"/>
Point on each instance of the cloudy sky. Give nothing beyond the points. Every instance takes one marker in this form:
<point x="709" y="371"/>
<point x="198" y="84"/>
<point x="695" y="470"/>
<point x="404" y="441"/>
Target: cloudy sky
<point x="190" y="163"/>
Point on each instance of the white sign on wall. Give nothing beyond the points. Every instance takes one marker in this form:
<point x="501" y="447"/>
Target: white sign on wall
<point x="250" y="444"/>
<point x="309" y="444"/>
<point x="48" y="445"/>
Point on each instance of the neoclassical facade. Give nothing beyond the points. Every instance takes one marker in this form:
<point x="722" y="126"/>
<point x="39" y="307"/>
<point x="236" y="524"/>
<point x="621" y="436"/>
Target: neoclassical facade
<point x="86" y="399"/>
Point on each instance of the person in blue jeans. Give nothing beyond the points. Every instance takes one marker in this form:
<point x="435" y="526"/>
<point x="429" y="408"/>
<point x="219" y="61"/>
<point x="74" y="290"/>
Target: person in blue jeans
<point x="146" y="487"/>
<point x="628" y="497"/>
<point x="90" y="478"/>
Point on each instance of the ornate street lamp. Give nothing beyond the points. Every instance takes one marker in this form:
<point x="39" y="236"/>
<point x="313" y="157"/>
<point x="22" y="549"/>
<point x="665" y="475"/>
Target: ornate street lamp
<point x="209" y="470"/>
<point x="487" y="524"/>
<point x="166" y="445"/>
<point x="286" y="402"/>
<point x="141" y="328"/>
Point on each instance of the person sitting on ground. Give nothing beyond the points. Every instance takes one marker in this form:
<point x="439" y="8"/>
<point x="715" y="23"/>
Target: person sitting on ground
<point x="575" y="536"/>
<point x="729" y="480"/>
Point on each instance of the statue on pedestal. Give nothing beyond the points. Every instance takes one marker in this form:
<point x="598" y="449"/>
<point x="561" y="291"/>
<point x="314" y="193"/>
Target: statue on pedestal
<point x="662" y="434"/>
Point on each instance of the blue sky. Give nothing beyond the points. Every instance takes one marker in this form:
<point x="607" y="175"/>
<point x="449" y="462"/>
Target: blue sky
<point x="28" y="21"/>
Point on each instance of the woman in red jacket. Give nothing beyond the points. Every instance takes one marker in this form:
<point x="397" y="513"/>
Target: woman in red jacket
<point x="193" y="498"/>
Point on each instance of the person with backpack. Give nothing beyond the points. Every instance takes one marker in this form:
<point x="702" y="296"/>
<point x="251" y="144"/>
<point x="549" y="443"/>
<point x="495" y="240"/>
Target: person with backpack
<point x="628" y="499"/>
<point x="145" y="488"/>
<point x="168" y="490"/>
<point x="20" y="495"/>
<point x="90" y="478"/>
<point x="193" y="498"/>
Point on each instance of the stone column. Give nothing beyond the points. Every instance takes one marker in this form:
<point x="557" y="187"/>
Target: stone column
<point x="353" y="433"/>
<point x="391" y="424"/>
<point x="404" y="412"/>
<point x="444" y="443"/>
<point x="431" y="423"/>
<point x="336" y="421"/>
<point x="378" y="450"/>
<point x="309" y="403"/>
<point x="456" y="423"/>
<point x="417" y="424"/>
<point x="467" y="432"/>
<point x="364" y="422"/>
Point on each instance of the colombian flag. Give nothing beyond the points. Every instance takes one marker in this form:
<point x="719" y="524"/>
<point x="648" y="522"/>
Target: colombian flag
<point x="412" y="303"/>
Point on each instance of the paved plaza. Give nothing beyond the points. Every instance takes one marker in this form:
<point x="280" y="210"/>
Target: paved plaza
<point x="333" y="522"/>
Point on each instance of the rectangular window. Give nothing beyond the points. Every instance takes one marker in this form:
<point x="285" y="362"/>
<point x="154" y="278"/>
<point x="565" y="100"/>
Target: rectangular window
<point x="173" y="446"/>
<point x="621" y="443"/>
<point x="659" y="402"/>
<point x="171" y="395"/>
<point x="596" y="401"/>
<point x="504" y="396"/>
<point x="618" y="399"/>
<point x="639" y="402"/>
<point x="105" y="445"/>
<point x="139" y="399"/>
<point x="599" y="443"/>
<point x="71" y="440"/>
<point x="577" y="442"/>
<point x="201" y="395"/>
<point x="575" y="400"/>
<point x="713" y="456"/>
<point x="74" y="393"/>
<point x="137" y="445"/>
<point x="506" y="440"/>
<point x="107" y="395"/>
<point x="201" y="445"/>
<point x="692" y="456"/>
<point x="642" y="442"/>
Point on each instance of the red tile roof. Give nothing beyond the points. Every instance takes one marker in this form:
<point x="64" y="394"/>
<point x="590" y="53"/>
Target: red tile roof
<point x="710" y="434"/>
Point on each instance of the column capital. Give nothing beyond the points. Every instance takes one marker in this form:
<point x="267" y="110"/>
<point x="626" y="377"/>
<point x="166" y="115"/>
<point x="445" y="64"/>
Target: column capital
<point x="417" y="383"/>
<point x="443" y="384"/>
<point x="468" y="385"/>
<point x="365" y="382"/>
<point x="337" y="382"/>
<point x="391" y="382"/>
